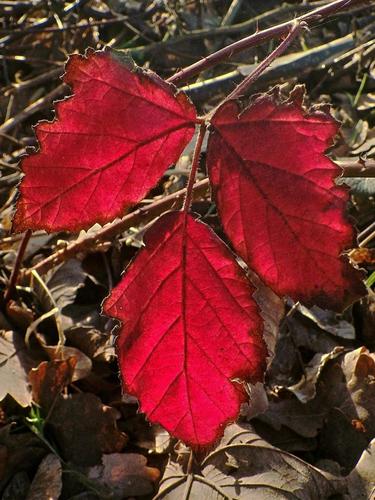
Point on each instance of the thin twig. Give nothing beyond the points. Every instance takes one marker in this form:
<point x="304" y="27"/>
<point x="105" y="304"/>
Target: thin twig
<point x="17" y="266"/>
<point x="141" y="215"/>
<point x="357" y="168"/>
<point x="367" y="240"/>
<point x="227" y="20"/>
<point x="37" y="60"/>
<point x="242" y="88"/>
<point x="43" y="23"/>
<point x="37" y="80"/>
<point x="265" y="18"/>
<point x="287" y="66"/>
<point x="258" y="38"/>
<point x="363" y="234"/>
<point x="32" y="108"/>
<point x="74" y="27"/>
<point x="231" y="13"/>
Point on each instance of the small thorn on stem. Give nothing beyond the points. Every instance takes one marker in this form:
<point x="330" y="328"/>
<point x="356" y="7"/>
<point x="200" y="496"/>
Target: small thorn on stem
<point x="241" y="89"/>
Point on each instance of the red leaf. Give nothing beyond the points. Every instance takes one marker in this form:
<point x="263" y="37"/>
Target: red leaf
<point x="277" y="200"/>
<point x="111" y="143"/>
<point x="190" y="326"/>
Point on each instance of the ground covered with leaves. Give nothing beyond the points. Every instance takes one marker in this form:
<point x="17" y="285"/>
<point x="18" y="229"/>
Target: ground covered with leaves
<point x="66" y="429"/>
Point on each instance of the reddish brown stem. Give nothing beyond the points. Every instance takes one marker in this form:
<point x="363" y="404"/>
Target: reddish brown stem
<point x="254" y="75"/>
<point x="257" y="38"/>
<point x="357" y="168"/>
<point x="17" y="266"/>
<point x="144" y="214"/>
<point x="194" y="167"/>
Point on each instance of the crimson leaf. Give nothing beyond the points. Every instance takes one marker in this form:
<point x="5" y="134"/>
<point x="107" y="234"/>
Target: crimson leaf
<point x="189" y="327"/>
<point x="277" y="200"/>
<point x="110" y="144"/>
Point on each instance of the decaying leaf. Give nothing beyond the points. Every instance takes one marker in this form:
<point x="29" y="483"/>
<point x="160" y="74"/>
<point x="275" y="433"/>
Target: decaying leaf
<point x="358" y="402"/>
<point x="49" y="379"/>
<point x="97" y="345"/>
<point x="47" y="304"/>
<point x="15" y="364"/>
<point x="47" y="482"/>
<point x="243" y="467"/>
<point x="126" y="474"/>
<point x="314" y="331"/>
<point x="361" y="481"/>
<point x="305" y="419"/>
<point x="24" y="451"/>
<point x="328" y="321"/>
<point x="17" y="487"/>
<point x="272" y="310"/>
<point x="363" y="256"/>
<point x="63" y="285"/>
<point x="189" y="323"/>
<point x="339" y="405"/>
<point x="84" y="428"/>
<point x="305" y="389"/>
<point x="83" y="363"/>
<point x="258" y="401"/>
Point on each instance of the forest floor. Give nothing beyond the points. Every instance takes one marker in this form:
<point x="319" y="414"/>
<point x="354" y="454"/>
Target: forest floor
<point x="66" y="429"/>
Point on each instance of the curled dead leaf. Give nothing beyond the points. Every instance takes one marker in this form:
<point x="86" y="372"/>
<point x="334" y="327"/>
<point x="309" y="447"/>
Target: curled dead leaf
<point x="47" y="482"/>
<point x="127" y="474"/>
<point x="244" y="466"/>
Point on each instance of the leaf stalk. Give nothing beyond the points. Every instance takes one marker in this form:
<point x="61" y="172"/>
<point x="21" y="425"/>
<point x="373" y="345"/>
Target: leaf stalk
<point x="194" y="167"/>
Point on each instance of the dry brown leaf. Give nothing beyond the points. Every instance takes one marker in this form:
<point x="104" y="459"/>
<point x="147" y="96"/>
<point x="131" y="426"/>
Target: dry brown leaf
<point x="126" y="474"/>
<point x="84" y="428"/>
<point x="244" y="466"/>
<point x="272" y="310"/>
<point x="62" y="353"/>
<point x="15" y="364"/>
<point x="47" y="482"/>
<point x="361" y="481"/>
<point x="49" y="379"/>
